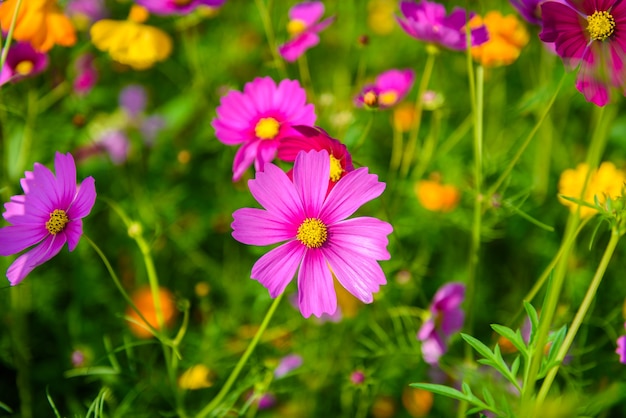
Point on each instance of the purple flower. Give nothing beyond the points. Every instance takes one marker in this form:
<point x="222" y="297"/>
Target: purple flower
<point x="529" y="9"/>
<point x="590" y="34"/>
<point x="259" y="118"/>
<point x="133" y="99"/>
<point x="287" y="364"/>
<point x="168" y="7"/>
<point x="85" y="12"/>
<point x="87" y="75"/>
<point x="427" y="21"/>
<point x="446" y="319"/>
<point x="303" y="26"/>
<point x="318" y="236"/>
<point x="22" y="61"/>
<point x="357" y="377"/>
<point x="116" y="144"/>
<point x="150" y="128"/>
<point x="388" y="89"/>
<point x="46" y="216"/>
<point x="621" y="349"/>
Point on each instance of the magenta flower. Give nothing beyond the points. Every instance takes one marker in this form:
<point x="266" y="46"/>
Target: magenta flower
<point x="168" y="7"/>
<point x="116" y="144"/>
<point x="22" y="61"/>
<point x="287" y="364"/>
<point x="316" y="139"/>
<point x="427" y="21"/>
<point x="318" y="236"/>
<point x="590" y="34"/>
<point x="259" y="118"/>
<point x="86" y="74"/>
<point x="85" y="12"/>
<point x="388" y="89"/>
<point x="621" y="349"/>
<point x="446" y="319"/>
<point x="529" y="9"/>
<point x="46" y="216"/>
<point x="303" y="26"/>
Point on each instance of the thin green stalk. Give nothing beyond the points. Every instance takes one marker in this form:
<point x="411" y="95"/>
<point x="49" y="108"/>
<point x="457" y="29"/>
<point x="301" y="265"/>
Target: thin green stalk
<point x="359" y="142"/>
<point x="7" y="43"/>
<point x="305" y="77"/>
<point x="411" y="146"/>
<point x="580" y="315"/>
<point x="215" y="403"/>
<point x="271" y="40"/>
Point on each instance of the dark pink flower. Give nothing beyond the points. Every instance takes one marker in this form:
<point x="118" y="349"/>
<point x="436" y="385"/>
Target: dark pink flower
<point x="304" y="25"/>
<point x="446" y="319"/>
<point x="168" y="7"/>
<point x="621" y="348"/>
<point x="22" y="61"/>
<point x="388" y="89"/>
<point x="86" y="74"/>
<point x="427" y="21"/>
<point x="317" y="237"/>
<point x="259" y="118"/>
<point x="591" y="35"/>
<point x="287" y="364"/>
<point x="46" y="216"/>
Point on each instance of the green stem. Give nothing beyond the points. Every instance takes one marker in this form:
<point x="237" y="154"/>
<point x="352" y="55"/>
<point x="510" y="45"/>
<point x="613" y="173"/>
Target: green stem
<point x="359" y="143"/>
<point x="7" y="44"/>
<point x="269" y="33"/>
<point x="211" y="406"/>
<point x="580" y="315"/>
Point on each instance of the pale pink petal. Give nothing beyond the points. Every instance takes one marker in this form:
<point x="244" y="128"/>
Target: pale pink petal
<point x="16" y="238"/>
<point x="316" y="293"/>
<point x="65" y="169"/>
<point x="276" y="268"/>
<point x="349" y="194"/>
<point x="433" y="348"/>
<point x="276" y="193"/>
<point x="84" y="200"/>
<point x="14" y="208"/>
<point x="367" y="236"/>
<point x="310" y="176"/>
<point x="259" y="227"/>
<point x="426" y="330"/>
<point x="43" y="252"/>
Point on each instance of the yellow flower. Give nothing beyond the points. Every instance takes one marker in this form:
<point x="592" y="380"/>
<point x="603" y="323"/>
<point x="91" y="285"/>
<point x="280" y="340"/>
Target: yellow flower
<point x="507" y="37"/>
<point x="39" y="22"/>
<point x="437" y="197"/>
<point x="418" y="402"/>
<point x="606" y="181"/>
<point x="131" y="42"/>
<point x="196" y="377"/>
<point x="380" y="18"/>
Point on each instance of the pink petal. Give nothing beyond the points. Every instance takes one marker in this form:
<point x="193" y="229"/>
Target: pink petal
<point x="266" y="152"/>
<point x="65" y="169"/>
<point x="84" y="200"/>
<point x="309" y="12"/>
<point x="244" y="158"/>
<point x="452" y="322"/>
<point x="16" y="238"/>
<point x="426" y="330"/>
<point x="43" y="252"/>
<point x="349" y="194"/>
<point x="311" y="172"/>
<point x="293" y="49"/>
<point x="259" y="227"/>
<point x="276" y="268"/>
<point x="621" y="349"/>
<point x="73" y="231"/>
<point x="43" y="186"/>
<point x="260" y="91"/>
<point x="433" y="348"/>
<point x="449" y="296"/>
<point x="367" y="236"/>
<point x="316" y="293"/>
<point x="277" y="194"/>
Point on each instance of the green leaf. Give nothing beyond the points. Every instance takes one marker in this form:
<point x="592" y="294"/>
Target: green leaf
<point x="481" y="348"/>
<point x="514" y="337"/>
<point x="6" y="407"/>
<point x="52" y="405"/>
<point x="515" y="365"/>
<point x="534" y="321"/>
<point x="443" y="390"/>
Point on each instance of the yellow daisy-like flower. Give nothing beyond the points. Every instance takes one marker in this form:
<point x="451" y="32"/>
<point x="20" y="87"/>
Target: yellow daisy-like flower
<point x="196" y="377"/>
<point x="437" y="197"/>
<point x="131" y="42"/>
<point x="507" y="37"/>
<point x="39" y="22"/>
<point x="606" y="181"/>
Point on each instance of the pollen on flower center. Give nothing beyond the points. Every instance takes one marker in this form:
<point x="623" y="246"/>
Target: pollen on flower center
<point x="600" y="25"/>
<point x="388" y="98"/>
<point x="57" y="222"/>
<point x="266" y="128"/>
<point x="296" y="27"/>
<point x="312" y="233"/>
<point x="370" y="99"/>
<point x="24" y="67"/>
<point x="335" y="169"/>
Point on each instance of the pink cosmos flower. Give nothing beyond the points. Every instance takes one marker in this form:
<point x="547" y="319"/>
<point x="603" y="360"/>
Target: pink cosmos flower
<point x="288" y="364"/>
<point x="46" y="216"/>
<point x="446" y="319"/>
<point x="529" y="9"/>
<point x="316" y="139"/>
<point x="22" y="61"/>
<point x="259" y="118"/>
<point x="168" y="7"/>
<point x="86" y="74"/>
<point x="303" y="27"/>
<point x="318" y="236"/>
<point x="388" y="89"/>
<point x="590" y="34"/>
<point x="621" y="348"/>
<point x="427" y="21"/>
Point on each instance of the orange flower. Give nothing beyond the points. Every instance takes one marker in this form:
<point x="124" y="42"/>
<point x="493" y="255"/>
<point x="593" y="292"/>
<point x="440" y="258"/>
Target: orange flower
<point x="437" y="197"/>
<point x="131" y="42"/>
<point x="418" y="402"/>
<point x="142" y="298"/>
<point x="39" y="22"/>
<point x="606" y="181"/>
<point x="507" y="37"/>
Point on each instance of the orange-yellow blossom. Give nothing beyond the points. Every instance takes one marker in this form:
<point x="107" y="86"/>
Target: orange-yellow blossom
<point x="437" y="197"/>
<point x="507" y="37"/>
<point x="39" y="22"/>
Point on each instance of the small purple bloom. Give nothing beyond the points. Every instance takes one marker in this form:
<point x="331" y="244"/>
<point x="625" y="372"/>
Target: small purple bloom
<point x="133" y="99"/>
<point x="591" y="35"/>
<point x="150" y="128"/>
<point x="357" y="377"/>
<point x="446" y="319"/>
<point x="427" y="21"/>
<point x="303" y="26"/>
<point x="529" y="9"/>
<point x="87" y="74"/>
<point x="22" y="61"/>
<point x="85" y="12"/>
<point x="46" y="216"/>
<point x="287" y="364"/>
<point x="266" y="401"/>
<point x="388" y="89"/>
<point x="116" y="144"/>
<point x="181" y="7"/>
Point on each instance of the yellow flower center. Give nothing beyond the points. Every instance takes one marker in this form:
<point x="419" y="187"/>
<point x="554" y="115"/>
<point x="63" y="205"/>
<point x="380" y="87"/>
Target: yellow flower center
<point x="388" y="98"/>
<point x="312" y="233"/>
<point x="600" y="25"/>
<point x="370" y="99"/>
<point x="24" y="67"/>
<point x="138" y="14"/>
<point x="335" y="169"/>
<point x="295" y="27"/>
<point x="267" y="128"/>
<point x="57" y="222"/>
